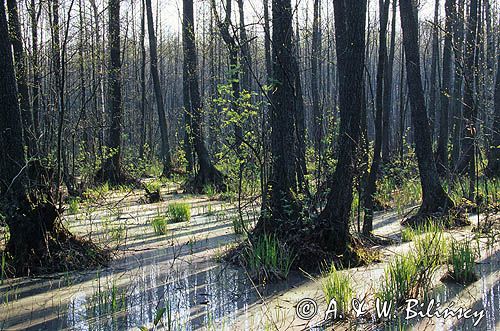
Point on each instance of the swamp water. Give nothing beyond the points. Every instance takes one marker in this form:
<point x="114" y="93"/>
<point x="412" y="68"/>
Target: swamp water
<point x="176" y="281"/>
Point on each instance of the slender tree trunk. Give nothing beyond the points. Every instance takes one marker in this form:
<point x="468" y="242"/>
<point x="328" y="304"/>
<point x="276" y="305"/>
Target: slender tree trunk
<point x="434" y="197"/>
<point x="442" y="149"/>
<point x="434" y="86"/>
<point x="458" y="42"/>
<point x="160" y="106"/>
<point x="468" y="136"/>
<point x="371" y="186"/>
<point x="388" y="78"/>
<point x="207" y="174"/>
<point x="315" y="78"/>
<point x="143" y="81"/>
<point x="494" y="153"/>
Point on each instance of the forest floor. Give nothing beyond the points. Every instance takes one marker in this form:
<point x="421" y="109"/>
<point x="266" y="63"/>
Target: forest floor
<point x="183" y="271"/>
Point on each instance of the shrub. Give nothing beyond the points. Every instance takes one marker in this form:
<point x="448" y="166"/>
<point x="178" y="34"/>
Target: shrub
<point x="267" y="258"/>
<point x="159" y="224"/>
<point x="74" y="205"/>
<point x="462" y="260"/>
<point x="179" y="212"/>
<point x="337" y="286"/>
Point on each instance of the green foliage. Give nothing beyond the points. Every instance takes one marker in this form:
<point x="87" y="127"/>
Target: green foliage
<point x="399" y="279"/>
<point x="462" y="259"/>
<point x="74" y="205"/>
<point x="97" y="192"/>
<point x="337" y="286"/>
<point x="267" y="258"/>
<point x="179" y="212"/>
<point x="238" y="225"/>
<point x="160" y="225"/>
<point x="407" y="234"/>
<point x="410" y="275"/>
<point x="210" y="191"/>
<point x="153" y="185"/>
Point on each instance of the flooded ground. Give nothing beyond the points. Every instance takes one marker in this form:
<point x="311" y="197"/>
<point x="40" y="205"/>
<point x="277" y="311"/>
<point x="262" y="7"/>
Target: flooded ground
<point x="178" y="281"/>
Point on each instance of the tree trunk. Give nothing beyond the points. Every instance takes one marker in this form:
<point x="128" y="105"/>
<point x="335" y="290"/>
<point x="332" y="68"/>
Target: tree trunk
<point x="350" y="19"/>
<point x="160" y="107"/>
<point x="434" y="71"/>
<point x="371" y="186"/>
<point x="315" y="78"/>
<point x="22" y="78"/>
<point x="442" y="149"/>
<point x="434" y="197"/>
<point x="386" y="126"/>
<point x="207" y="173"/>
<point x="112" y="171"/>
<point x="142" y="134"/>
<point x="466" y="161"/>
<point x="494" y="153"/>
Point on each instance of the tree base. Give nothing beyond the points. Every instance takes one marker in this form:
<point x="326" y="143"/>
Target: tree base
<point x="204" y="178"/>
<point x="39" y="244"/>
<point x="114" y="178"/>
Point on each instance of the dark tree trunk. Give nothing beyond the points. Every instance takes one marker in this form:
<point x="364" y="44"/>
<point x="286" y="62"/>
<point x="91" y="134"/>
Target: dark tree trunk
<point x="371" y="186"/>
<point x="386" y="125"/>
<point x="434" y="197"/>
<point x="350" y="19"/>
<point x="207" y="173"/>
<point x="112" y="171"/>
<point x="160" y="107"/>
<point x="458" y="47"/>
<point x="433" y="90"/>
<point x="442" y="148"/>
<point x="494" y="153"/>
<point x="316" y="78"/>
<point x="143" y="81"/>
<point x="22" y="78"/>
<point x="34" y="16"/>
<point x="466" y="161"/>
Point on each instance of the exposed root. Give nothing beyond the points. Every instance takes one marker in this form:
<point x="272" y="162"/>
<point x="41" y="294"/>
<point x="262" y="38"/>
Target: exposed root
<point x="447" y="218"/>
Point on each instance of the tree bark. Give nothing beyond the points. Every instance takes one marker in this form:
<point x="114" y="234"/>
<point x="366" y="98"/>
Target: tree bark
<point x="112" y="171"/>
<point x="434" y="197"/>
<point x="466" y="161"/>
<point x="442" y="148"/>
<point x="207" y="173"/>
<point x="494" y="153"/>
<point x="160" y="106"/>
<point x="371" y="185"/>
<point x="350" y="21"/>
<point x="22" y="77"/>
<point x="434" y="71"/>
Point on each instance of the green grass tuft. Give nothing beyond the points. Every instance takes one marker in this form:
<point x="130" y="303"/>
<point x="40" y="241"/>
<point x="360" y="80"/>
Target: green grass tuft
<point x="179" y="212"/>
<point x="267" y="259"/>
<point x="337" y="286"/>
<point x="462" y="260"/>
<point x="160" y="225"/>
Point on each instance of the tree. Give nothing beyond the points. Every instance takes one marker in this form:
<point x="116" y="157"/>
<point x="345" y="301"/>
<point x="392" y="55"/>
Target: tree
<point x="466" y="163"/>
<point x="36" y="235"/>
<point x="494" y="153"/>
<point x="22" y="77"/>
<point x="434" y="86"/>
<point x="112" y="170"/>
<point x="315" y="77"/>
<point x="207" y="173"/>
<point x="165" y="146"/>
<point x="371" y="185"/>
<point x="434" y="198"/>
<point x="333" y="221"/>
<point x="442" y="149"/>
